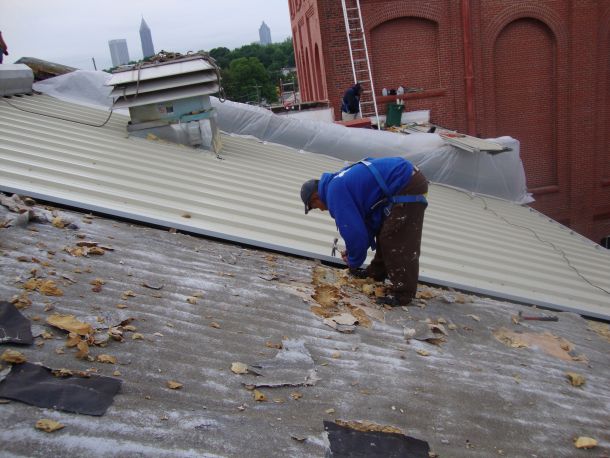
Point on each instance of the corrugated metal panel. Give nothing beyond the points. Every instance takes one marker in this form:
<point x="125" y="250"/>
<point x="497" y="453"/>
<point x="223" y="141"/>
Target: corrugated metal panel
<point x="251" y="195"/>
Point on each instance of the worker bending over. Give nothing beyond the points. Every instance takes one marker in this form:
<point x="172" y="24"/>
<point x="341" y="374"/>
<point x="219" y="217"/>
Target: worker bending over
<point x="376" y="203"/>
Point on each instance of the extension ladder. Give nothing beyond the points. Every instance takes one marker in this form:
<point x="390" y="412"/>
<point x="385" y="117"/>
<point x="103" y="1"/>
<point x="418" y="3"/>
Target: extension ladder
<point x="359" y="56"/>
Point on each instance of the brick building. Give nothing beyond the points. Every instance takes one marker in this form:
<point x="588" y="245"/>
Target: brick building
<point x="538" y="70"/>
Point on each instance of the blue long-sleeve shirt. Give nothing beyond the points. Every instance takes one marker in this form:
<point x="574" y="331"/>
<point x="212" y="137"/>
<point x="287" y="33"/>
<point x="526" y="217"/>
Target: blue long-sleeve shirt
<point x="349" y="195"/>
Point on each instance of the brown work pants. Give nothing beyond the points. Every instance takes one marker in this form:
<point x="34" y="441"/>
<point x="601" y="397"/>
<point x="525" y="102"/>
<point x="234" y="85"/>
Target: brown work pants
<point x="398" y="243"/>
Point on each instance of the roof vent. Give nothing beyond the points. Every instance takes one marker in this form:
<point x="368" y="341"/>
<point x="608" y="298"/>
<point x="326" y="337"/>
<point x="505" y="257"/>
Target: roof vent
<point x="15" y="79"/>
<point x="170" y="98"/>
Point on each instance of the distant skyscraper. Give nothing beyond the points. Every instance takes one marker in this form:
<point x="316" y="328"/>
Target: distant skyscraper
<point x="118" y="52"/>
<point x="147" y="45"/>
<point x="265" y="34"/>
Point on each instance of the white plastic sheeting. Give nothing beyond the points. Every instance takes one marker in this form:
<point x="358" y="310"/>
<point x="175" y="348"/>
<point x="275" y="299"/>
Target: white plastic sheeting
<point x="499" y="175"/>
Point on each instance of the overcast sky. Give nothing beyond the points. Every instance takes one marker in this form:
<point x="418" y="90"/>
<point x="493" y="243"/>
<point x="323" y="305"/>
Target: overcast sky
<point x="71" y="32"/>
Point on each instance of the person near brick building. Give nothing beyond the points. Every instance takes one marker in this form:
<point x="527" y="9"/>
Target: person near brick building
<point x="376" y="203"/>
<point x="350" y="104"/>
<point x="3" y="48"/>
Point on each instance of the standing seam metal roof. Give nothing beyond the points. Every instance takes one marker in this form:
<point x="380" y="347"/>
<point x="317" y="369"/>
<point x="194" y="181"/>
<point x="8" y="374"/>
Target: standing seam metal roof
<point x="250" y="194"/>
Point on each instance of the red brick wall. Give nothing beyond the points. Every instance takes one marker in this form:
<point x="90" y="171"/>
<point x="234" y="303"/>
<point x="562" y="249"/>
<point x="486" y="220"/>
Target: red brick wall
<point x="541" y="73"/>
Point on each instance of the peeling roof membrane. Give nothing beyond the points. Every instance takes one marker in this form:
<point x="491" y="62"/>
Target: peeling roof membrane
<point x="250" y="194"/>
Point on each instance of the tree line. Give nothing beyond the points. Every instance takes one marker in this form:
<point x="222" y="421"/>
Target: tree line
<point x="252" y="73"/>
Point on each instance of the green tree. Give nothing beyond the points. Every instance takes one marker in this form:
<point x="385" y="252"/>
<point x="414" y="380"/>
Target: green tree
<point x="222" y="56"/>
<point x="247" y="80"/>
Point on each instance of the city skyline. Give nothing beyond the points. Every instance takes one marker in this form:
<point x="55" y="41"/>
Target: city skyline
<point x="119" y="52"/>
<point x="72" y="32"/>
<point x="148" y="48"/>
<point x="264" y="33"/>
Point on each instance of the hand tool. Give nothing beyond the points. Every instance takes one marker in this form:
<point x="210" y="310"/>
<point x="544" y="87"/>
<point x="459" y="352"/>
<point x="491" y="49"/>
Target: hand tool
<point x="335" y="246"/>
<point x="520" y="317"/>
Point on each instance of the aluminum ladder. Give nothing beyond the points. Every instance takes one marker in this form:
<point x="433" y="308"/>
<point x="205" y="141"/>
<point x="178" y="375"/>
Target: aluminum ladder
<point x="359" y="56"/>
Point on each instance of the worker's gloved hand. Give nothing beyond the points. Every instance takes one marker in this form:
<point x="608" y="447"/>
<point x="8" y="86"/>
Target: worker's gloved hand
<point x="344" y="256"/>
<point x="358" y="273"/>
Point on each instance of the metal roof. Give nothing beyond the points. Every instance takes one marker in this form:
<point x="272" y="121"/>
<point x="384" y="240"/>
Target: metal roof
<point x="250" y="194"/>
<point x="472" y="397"/>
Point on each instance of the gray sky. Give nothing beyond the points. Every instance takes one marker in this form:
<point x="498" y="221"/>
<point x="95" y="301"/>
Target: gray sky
<point x="71" y="32"/>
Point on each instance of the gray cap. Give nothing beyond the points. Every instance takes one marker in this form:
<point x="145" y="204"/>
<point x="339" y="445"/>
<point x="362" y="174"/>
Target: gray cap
<point x="307" y="190"/>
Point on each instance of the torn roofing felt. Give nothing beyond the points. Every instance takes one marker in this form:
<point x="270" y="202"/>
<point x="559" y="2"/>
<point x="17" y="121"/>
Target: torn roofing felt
<point x="250" y="194"/>
<point x="38" y="386"/>
<point x="14" y="327"/>
<point x="346" y="442"/>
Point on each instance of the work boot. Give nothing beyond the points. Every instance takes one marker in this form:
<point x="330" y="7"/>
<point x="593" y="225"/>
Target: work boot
<point x="358" y="273"/>
<point x="392" y="301"/>
<point x="375" y="275"/>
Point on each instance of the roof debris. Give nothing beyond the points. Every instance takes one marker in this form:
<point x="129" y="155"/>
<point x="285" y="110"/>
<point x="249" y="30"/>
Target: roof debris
<point x="374" y="374"/>
<point x="292" y="366"/>
<point x="356" y="438"/>
<point x="38" y="386"/>
<point x="14" y="327"/>
<point x="48" y="426"/>
<point x="547" y="342"/>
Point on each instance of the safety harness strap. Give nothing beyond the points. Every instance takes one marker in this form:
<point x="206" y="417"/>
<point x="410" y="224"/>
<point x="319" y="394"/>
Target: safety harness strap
<point x="389" y="200"/>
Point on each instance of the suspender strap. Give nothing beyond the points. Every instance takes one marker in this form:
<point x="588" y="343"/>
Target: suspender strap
<point x="378" y="177"/>
<point x="390" y="199"/>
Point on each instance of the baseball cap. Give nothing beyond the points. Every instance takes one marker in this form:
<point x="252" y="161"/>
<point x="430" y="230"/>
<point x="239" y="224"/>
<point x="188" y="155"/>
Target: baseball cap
<point x="307" y="190"/>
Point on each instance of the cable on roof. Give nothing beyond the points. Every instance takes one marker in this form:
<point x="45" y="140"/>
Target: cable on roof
<point x="551" y="244"/>
<point x="60" y="117"/>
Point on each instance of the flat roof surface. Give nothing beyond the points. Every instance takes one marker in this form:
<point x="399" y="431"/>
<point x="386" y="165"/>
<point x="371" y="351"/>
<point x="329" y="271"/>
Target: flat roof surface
<point x="471" y="396"/>
<point x="250" y="194"/>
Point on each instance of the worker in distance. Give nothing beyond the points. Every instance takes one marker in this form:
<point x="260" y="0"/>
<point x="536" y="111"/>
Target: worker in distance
<point x="350" y="103"/>
<point x="377" y="204"/>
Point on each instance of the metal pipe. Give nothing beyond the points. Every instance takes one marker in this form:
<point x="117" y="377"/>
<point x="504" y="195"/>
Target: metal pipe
<point x="468" y="67"/>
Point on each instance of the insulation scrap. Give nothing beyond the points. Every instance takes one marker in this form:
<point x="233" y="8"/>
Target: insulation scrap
<point x="340" y="315"/>
<point x="84" y="249"/>
<point x="45" y="287"/>
<point x="48" y="426"/>
<point x="173" y="385"/>
<point x="601" y="329"/>
<point x="550" y="344"/>
<point x="69" y="323"/>
<point x="575" y="379"/>
<point x="239" y="368"/>
<point x="327" y="295"/>
<point x="259" y="396"/>
<point x="13" y="356"/>
<point x="106" y="359"/>
<point x="585" y="442"/>
<point x="83" y="349"/>
<point x="369" y="426"/>
<point x="426" y="331"/>
<point x="58" y="222"/>
<point x="21" y="301"/>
